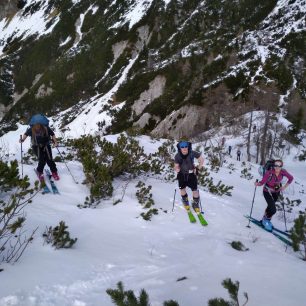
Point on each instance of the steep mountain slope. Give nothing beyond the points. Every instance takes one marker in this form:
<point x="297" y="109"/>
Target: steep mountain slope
<point x="153" y="63"/>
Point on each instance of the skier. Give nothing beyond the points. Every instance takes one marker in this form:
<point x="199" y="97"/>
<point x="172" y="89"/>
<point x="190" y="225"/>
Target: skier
<point x="238" y="154"/>
<point x="186" y="173"/>
<point x="272" y="187"/>
<point x="229" y="150"/>
<point x="40" y="137"/>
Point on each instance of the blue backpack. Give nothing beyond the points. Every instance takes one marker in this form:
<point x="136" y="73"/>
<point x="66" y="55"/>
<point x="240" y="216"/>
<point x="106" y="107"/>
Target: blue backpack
<point x="41" y="139"/>
<point x="39" y="119"/>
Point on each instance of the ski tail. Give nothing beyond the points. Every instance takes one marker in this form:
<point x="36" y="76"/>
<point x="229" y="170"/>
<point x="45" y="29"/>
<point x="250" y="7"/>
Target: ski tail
<point x="274" y="228"/>
<point x="281" y="232"/>
<point x="51" y="181"/>
<point x="274" y="232"/>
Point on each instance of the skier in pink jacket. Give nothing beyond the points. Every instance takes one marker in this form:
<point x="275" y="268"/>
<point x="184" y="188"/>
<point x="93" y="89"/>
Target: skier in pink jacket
<point x="272" y="182"/>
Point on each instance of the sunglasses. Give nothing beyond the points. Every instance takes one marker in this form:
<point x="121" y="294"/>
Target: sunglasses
<point x="183" y="145"/>
<point x="277" y="166"/>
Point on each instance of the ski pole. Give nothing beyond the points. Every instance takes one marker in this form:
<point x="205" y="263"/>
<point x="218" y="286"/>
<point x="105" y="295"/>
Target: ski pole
<point x="200" y="202"/>
<point x="173" y="199"/>
<point x="283" y="204"/>
<point x="21" y="156"/>
<point x="66" y="165"/>
<point x="252" y="204"/>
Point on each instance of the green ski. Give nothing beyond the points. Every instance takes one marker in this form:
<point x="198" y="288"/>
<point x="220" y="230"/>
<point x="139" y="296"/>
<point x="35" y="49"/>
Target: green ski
<point x="202" y="220"/>
<point x="192" y="219"/>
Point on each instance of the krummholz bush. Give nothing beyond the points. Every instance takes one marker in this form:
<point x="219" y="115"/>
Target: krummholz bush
<point x="15" y="195"/>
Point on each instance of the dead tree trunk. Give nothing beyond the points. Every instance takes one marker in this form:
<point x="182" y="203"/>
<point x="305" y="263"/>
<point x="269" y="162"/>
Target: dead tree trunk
<point x="249" y="137"/>
<point x="263" y="149"/>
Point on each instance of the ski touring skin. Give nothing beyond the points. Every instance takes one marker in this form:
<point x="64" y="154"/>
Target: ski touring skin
<point x="51" y="181"/>
<point x="276" y="232"/>
<point x="44" y="187"/>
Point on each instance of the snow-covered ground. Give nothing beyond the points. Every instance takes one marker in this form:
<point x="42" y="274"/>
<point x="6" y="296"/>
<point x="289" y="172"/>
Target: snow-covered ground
<point x="115" y="244"/>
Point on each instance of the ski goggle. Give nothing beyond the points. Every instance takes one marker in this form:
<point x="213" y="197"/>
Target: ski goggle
<point x="278" y="164"/>
<point x="183" y="145"/>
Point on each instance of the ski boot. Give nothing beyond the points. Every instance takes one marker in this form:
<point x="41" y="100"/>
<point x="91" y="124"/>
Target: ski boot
<point x="40" y="176"/>
<point x="186" y="202"/>
<point x="55" y="176"/>
<point x="195" y="205"/>
<point x="266" y="223"/>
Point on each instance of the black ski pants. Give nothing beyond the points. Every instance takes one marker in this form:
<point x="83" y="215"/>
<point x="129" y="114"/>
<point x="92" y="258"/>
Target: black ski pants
<point x="271" y="198"/>
<point x="187" y="180"/>
<point x="44" y="154"/>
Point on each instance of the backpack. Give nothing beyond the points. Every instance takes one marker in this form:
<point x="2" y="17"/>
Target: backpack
<point x="189" y="150"/>
<point x="39" y="119"/>
<point x="44" y="121"/>
<point x="268" y="166"/>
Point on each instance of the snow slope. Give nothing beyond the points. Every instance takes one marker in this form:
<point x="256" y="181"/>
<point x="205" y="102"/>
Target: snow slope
<point x="115" y="244"/>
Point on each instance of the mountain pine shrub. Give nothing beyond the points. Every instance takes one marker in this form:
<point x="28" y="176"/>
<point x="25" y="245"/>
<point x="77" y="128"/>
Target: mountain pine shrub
<point x="287" y="204"/>
<point x="16" y="194"/>
<point x="245" y="172"/>
<point x="302" y="156"/>
<point x="145" y="198"/>
<point x="144" y="195"/>
<point x="122" y="297"/>
<point x="298" y="235"/>
<point x="238" y="245"/>
<point x="233" y="289"/>
<point x="59" y="236"/>
<point x="103" y="161"/>
<point x="205" y="181"/>
<point x="147" y="216"/>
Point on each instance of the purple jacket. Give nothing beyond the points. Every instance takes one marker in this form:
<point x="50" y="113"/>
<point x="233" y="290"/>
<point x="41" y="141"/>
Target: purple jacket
<point x="271" y="180"/>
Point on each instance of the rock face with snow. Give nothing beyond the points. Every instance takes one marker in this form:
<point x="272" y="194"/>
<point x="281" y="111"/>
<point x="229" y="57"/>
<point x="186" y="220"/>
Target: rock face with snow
<point x="145" y="62"/>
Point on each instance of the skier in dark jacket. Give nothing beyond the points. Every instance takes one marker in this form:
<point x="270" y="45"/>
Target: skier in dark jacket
<point x="272" y="182"/>
<point x="186" y="173"/>
<point x="40" y="137"/>
<point x="238" y="154"/>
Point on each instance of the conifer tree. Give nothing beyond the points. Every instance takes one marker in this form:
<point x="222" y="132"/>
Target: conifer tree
<point x="298" y="235"/>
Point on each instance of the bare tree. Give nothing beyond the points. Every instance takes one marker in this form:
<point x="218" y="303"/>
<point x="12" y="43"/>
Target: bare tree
<point x="264" y="138"/>
<point x="249" y="137"/>
<point x="257" y="143"/>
